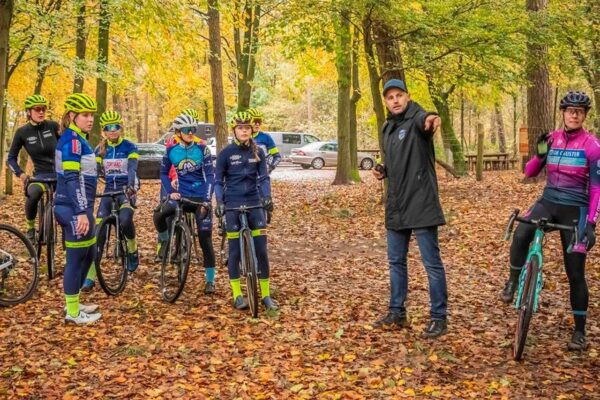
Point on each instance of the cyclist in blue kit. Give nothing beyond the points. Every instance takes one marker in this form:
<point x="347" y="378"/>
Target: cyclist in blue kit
<point x="242" y="179"/>
<point x="195" y="176"/>
<point x="263" y="140"/>
<point x="74" y="205"/>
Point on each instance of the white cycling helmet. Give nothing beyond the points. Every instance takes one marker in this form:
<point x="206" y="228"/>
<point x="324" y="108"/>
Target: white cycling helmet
<point x="184" y="121"/>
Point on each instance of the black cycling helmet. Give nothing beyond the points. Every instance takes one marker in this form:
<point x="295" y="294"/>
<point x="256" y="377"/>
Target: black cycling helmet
<point x="576" y="99"/>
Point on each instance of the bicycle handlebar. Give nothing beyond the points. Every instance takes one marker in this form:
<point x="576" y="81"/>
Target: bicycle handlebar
<point x="41" y="180"/>
<point x="112" y="194"/>
<point x="542" y="223"/>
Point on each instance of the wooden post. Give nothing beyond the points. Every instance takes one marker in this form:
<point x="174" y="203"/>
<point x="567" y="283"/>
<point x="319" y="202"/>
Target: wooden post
<point x="479" y="166"/>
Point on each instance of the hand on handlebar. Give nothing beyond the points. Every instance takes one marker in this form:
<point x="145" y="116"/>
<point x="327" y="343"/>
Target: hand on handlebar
<point x="220" y="210"/>
<point x="267" y="204"/>
<point x="175" y="196"/>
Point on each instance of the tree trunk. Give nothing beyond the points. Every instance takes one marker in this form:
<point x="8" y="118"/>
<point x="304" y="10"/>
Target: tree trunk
<point x="493" y="132"/>
<point x="515" y="137"/>
<point x="146" y="116"/>
<point x="247" y="64"/>
<point x="216" y="73"/>
<point x="138" y="122"/>
<point x="500" y="129"/>
<point x="462" y="120"/>
<point x="102" y="69"/>
<point x="479" y="166"/>
<point x="6" y="14"/>
<point x="539" y="91"/>
<point x="388" y="51"/>
<point x="374" y="78"/>
<point x="80" y="46"/>
<point x="344" y="79"/>
<point x="353" y="133"/>
<point x="440" y="101"/>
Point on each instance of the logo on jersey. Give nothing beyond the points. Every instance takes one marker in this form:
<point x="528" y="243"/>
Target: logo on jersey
<point x="75" y="147"/>
<point x="402" y="134"/>
<point x="186" y="166"/>
<point x="235" y="157"/>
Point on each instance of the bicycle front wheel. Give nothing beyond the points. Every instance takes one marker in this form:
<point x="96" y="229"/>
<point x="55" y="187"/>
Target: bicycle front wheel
<point x="111" y="257"/>
<point x="527" y="302"/>
<point x="176" y="263"/>
<point x="18" y="267"/>
<point x="250" y="270"/>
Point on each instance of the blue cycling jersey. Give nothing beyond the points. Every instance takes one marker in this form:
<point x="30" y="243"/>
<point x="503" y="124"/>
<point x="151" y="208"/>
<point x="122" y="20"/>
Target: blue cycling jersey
<point x="267" y="144"/>
<point x="76" y="171"/>
<point x="194" y="167"/>
<point x="241" y="176"/>
<point x="120" y="164"/>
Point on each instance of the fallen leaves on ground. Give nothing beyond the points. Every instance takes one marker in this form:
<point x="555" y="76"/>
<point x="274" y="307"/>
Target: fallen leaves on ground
<point x="328" y="261"/>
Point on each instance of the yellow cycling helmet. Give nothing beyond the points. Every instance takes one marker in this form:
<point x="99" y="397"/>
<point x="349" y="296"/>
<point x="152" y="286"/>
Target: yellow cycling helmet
<point x="110" y="117"/>
<point x="35" y="100"/>
<point x="79" y="103"/>
<point x="240" y="118"/>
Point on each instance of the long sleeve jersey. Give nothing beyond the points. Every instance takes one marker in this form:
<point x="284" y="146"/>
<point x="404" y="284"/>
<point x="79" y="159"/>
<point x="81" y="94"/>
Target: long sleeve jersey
<point x="76" y="171"/>
<point x="194" y="168"/>
<point x="120" y="164"/>
<point x="241" y="178"/>
<point x="39" y="141"/>
<point x="267" y="144"/>
<point x="573" y="170"/>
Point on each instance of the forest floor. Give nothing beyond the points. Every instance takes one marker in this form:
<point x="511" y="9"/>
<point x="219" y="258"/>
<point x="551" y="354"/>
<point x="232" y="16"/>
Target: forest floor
<point x="328" y="260"/>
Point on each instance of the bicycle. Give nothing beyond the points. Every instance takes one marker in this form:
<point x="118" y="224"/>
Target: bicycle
<point x="178" y="252"/>
<point x="111" y="256"/>
<point x="18" y="267"/>
<point x="47" y="226"/>
<point x="531" y="279"/>
<point x="223" y="252"/>
<point x="248" y="263"/>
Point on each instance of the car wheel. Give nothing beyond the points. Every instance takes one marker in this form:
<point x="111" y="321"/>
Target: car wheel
<point x="305" y="166"/>
<point x="366" y="164"/>
<point x="317" y="163"/>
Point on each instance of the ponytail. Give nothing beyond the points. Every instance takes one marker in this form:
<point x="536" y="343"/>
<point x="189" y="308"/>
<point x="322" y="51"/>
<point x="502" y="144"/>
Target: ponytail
<point x="254" y="148"/>
<point x="65" y="122"/>
<point x="102" y="147"/>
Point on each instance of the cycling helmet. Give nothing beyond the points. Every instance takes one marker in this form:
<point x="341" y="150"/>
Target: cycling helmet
<point x="184" y="121"/>
<point x="191" y="112"/>
<point x="79" y="102"/>
<point x="240" y="118"/>
<point x="110" y="117"/>
<point x="576" y="99"/>
<point x="255" y="114"/>
<point x="35" y="100"/>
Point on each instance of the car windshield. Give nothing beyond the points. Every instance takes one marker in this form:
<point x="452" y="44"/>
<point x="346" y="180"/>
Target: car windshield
<point x="310" y="139"/>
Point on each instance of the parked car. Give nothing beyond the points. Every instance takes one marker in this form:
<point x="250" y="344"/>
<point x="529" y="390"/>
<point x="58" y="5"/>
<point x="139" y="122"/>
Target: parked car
<point x="212" y="145"/>
<point x="151" y="155"/>
<point x="321" y="154"/>
<point x="286" y="141"/>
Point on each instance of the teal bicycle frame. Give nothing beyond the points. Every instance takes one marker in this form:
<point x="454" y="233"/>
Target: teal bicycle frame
<point x="535" y="249"/>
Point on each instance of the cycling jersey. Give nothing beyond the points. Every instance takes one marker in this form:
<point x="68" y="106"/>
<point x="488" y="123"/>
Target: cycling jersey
<point x="573" y="170"/>
<point x="39" y="141"/>
<point x="241" y="178"/>
<point x="194" y="168"/>
<point x="267" y="144"/>
<point x="76" y="171"/>
<point x="120" y="164"/>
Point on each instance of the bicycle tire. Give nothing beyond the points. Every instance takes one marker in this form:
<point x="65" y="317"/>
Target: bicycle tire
<point x="112" y="273"/>
<point x="182" y="242"/>
<point x="191" y="223"/>
<point x="250" y="272"/>
<point x="4" y="272"/>
<point x="50" y="238"/>
<point x="527" y="303"/>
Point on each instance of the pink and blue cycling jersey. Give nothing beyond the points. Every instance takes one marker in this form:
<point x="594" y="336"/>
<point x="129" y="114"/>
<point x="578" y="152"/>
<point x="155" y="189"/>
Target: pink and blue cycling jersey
<point x="573" y="170"/>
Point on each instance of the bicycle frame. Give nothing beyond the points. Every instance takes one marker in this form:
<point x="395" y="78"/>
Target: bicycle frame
<point x="534" y="249"/>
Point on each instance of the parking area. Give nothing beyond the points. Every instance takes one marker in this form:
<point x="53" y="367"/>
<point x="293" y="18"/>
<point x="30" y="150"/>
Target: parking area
<point x="289" y="172"/>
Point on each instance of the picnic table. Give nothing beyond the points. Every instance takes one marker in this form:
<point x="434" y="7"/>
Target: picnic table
<point x="491" y="161"/>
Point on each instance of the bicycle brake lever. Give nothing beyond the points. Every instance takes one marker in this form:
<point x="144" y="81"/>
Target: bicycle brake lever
<point x="511" y="222"/>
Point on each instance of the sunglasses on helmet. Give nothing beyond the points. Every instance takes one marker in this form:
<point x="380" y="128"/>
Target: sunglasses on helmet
<point x="111" y="128"/>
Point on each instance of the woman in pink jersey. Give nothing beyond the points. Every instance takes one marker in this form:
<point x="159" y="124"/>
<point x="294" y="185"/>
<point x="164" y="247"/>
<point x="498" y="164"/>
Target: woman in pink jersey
<point x="571" y="156"/>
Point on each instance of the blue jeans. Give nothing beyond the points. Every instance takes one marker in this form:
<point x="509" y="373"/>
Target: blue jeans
<point x="427" y="239"/>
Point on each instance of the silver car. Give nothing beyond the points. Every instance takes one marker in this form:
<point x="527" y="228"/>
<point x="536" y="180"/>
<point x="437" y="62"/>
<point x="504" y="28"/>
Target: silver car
<point x="324" y="154"/>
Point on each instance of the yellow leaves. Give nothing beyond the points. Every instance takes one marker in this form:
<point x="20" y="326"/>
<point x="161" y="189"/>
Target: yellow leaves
<point x="120" y="379"/>
<point x="324" y="356"/>
<point x="296" y="388"/>
<point x="265" y="374"/>
<point x="433" y="357"/>
<point x="349" y="357"/>
<point x="410" y="392"/>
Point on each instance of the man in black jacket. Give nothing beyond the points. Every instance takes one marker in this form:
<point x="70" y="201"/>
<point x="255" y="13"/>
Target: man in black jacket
<point x="412" y="204"/>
